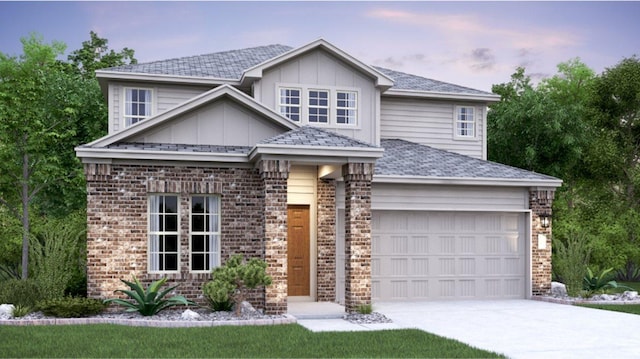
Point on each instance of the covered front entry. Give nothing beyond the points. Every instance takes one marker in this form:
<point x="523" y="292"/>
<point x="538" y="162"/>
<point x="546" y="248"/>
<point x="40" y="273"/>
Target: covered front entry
<point x="298" y="251"/>
<point x="420" y="255"/>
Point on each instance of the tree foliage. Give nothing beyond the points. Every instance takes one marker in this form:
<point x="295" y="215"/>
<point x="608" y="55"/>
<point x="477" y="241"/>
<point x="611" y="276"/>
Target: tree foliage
<point x="47" y="108"/>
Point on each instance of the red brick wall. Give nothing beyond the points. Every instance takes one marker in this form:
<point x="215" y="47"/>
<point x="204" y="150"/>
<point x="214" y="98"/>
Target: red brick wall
<point x="326" y="264"/>
<point x="117" y="197"/>
<point x="540" y="203"/>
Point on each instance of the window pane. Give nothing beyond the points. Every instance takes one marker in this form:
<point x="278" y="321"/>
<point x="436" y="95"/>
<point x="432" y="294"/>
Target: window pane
<point x="198" y="243"/>
<point x="170" y="204"/>
<point x="197" y="223"/>
<point x="171" y="243"/>
<point x="171" y="262"/>
<point x="171" y="223"/>
<point x="198" y="262"/>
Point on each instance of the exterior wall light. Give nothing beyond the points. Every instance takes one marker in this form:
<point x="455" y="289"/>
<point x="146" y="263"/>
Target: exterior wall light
<point x="545" y="220"/>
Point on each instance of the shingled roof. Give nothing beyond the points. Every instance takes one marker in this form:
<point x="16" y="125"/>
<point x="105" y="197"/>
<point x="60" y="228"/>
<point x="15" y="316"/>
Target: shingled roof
<point x="230" y="65"/>
<point x="404" y="158"/>
<point x="313" y="136"/>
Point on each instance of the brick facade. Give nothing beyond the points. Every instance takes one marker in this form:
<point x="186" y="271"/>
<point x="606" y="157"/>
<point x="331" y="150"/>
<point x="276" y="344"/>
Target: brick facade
<point x="274" y="174"/>
<point x="326" y="261"/>
<point x="540" y="202"/>
<point x="357" y="183"/>
<point x="117" y="207"/>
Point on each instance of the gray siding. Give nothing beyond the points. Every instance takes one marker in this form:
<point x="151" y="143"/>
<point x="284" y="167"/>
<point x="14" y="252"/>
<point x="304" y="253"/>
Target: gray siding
<point x="321" y="70"/>
<point x="437" y="197"/>
<point x="165" y="97"/>
<point x="222" y="122"/>
<point x="388" y="196"/>
<point x="431" y="123"/>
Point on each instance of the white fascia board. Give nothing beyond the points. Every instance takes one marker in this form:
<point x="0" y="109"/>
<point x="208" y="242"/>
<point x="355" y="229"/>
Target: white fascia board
<point x="139" y="76"/>
<point x="316" y="151"/>
<point x="442" y="95"/>
<point x="191" y="104"/>
<point x="101" y="154"/>
<point x="256" y="71"/>
<point x="463" y="181"/>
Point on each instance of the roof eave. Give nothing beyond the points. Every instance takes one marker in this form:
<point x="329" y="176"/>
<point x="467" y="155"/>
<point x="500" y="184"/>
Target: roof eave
<point x="369" y="153"/>
<point x="88" y="155"/>
<point x="469" y="181"/>
<point x="442" y="95"/>
<point x="104" y="76"/>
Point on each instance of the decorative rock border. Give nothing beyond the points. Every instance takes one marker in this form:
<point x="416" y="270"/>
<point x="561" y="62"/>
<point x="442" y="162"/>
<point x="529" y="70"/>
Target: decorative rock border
<point x="286" y="319"/>
<point x="574" y="301"/>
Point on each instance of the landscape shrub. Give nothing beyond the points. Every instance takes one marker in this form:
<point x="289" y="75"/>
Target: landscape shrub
<point x="20" y="292"/>
<point x="148" y="301"/>
<point x="71" y="307"/>
<point x="55" y="254"/>
<point x="231" y="281"/>
<point x="600" y="282"/>
<point x="20" y="311"/>
<point x="570" y="262"/>
<point x="365" y="309"/>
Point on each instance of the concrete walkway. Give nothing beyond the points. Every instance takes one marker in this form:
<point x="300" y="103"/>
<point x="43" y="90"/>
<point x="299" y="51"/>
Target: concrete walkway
<point x="524" y="328"/>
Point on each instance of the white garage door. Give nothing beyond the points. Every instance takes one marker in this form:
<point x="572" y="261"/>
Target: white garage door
<point x="419" y="255"/>
<point x="448" y="255"/>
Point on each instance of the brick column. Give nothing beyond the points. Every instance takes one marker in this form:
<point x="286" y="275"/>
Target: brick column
<point x="357" y="184"/>
<point x="326" y="287"/>
<point x="274" y="175"/>
<point x="540" y="201"/>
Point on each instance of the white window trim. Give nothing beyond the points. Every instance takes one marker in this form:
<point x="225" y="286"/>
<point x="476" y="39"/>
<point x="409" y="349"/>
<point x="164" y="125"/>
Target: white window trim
<point x="333" y="95"/>
<point x="123" y="112"/>
<point x="150" y="233"/>
<point x="456" y="135"/>
<point x="309" y="106"/>
<point x="347" y="108"/>
<point x="300" y="106"/>
<point x="218" y="250"/>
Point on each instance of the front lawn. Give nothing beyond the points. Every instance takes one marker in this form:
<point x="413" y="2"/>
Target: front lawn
<point x="284" y="341"/>
<point x="625" y="308"/>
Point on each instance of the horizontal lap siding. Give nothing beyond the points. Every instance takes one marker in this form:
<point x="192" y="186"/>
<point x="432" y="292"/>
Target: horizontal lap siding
<point x="445" y="198"/>
<point x="429" y="123"/>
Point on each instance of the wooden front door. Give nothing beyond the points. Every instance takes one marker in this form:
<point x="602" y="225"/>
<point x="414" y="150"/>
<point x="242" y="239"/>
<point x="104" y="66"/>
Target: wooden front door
<point x="298" y="247"/>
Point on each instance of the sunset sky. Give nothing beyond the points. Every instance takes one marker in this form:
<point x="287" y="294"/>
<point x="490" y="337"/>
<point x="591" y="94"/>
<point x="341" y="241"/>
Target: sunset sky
<point x="475" y="44"/>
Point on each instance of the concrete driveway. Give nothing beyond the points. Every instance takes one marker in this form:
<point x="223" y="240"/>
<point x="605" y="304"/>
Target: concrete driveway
<point x="524" y="328"/>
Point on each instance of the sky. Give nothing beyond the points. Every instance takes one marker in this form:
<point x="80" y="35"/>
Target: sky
<point x="475" y="44"/>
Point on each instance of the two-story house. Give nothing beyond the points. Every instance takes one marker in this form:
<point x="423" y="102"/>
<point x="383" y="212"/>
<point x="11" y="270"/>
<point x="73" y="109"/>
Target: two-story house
<point x="354" y="183"/>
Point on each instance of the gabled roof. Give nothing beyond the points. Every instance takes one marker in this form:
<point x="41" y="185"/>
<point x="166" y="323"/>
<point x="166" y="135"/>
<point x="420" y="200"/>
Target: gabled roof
<point x="256" y="71"/>
<point x="205" y="98"/>
<point x="409" y="162"/>
<point x="235" y="66"/>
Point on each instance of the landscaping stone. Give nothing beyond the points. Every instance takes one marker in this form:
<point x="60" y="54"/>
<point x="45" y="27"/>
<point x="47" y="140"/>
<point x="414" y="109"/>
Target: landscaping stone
<point x="558" y="289"/>
<point x="6" y="311"/>
<point x="247" y="308"/>
<point x="630" y="295"/>
<point x="372" y="318"/>
<point x="190" y="315"/>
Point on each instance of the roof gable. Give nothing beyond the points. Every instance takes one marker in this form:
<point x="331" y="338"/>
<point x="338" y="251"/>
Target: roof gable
<point x="256" y="72"/>
<point x="159" y="122"/>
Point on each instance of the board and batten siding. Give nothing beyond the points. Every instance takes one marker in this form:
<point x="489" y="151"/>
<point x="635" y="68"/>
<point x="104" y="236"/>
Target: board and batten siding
<point x="222" y="122"/>
<point x="431" y="123"/>
<point x="321" y="70"/>
<point x="165" y="97"/>
<point x="394" y="196"/>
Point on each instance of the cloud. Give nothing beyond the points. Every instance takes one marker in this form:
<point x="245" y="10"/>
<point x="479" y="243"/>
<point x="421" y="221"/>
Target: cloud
<point x="482" y="59"/>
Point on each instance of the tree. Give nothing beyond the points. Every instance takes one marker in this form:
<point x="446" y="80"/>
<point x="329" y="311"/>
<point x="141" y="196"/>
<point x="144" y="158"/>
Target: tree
<point x="95" y="55"/>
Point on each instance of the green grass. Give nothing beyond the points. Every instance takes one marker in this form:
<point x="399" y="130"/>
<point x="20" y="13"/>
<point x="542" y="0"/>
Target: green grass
<point x="284" y="341"/>
<point x="625" y="308"/>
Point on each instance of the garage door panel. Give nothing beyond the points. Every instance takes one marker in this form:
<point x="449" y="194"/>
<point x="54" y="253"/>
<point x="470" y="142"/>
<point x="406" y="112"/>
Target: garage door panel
<point x="448" y="255"/>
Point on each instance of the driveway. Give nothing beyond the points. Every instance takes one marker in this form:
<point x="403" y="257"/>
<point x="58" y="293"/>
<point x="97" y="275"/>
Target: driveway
<point x="524" y="328"/>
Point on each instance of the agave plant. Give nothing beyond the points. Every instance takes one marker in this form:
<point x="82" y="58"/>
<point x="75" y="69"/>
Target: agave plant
<point x="601" y="282"/>
<point x="150" y="301"/>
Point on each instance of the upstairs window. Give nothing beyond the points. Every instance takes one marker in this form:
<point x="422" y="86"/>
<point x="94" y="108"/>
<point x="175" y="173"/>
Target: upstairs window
<point x="290" y="103"/>
<point x="465" y="123"/>
<point x="346" y="107"/>
<point x="332" y="107"/>
<point x="164" y="240"/>
<point x="137" y="105"/>
<point x="205" y="233"/>
<point x="318" y="106"/>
